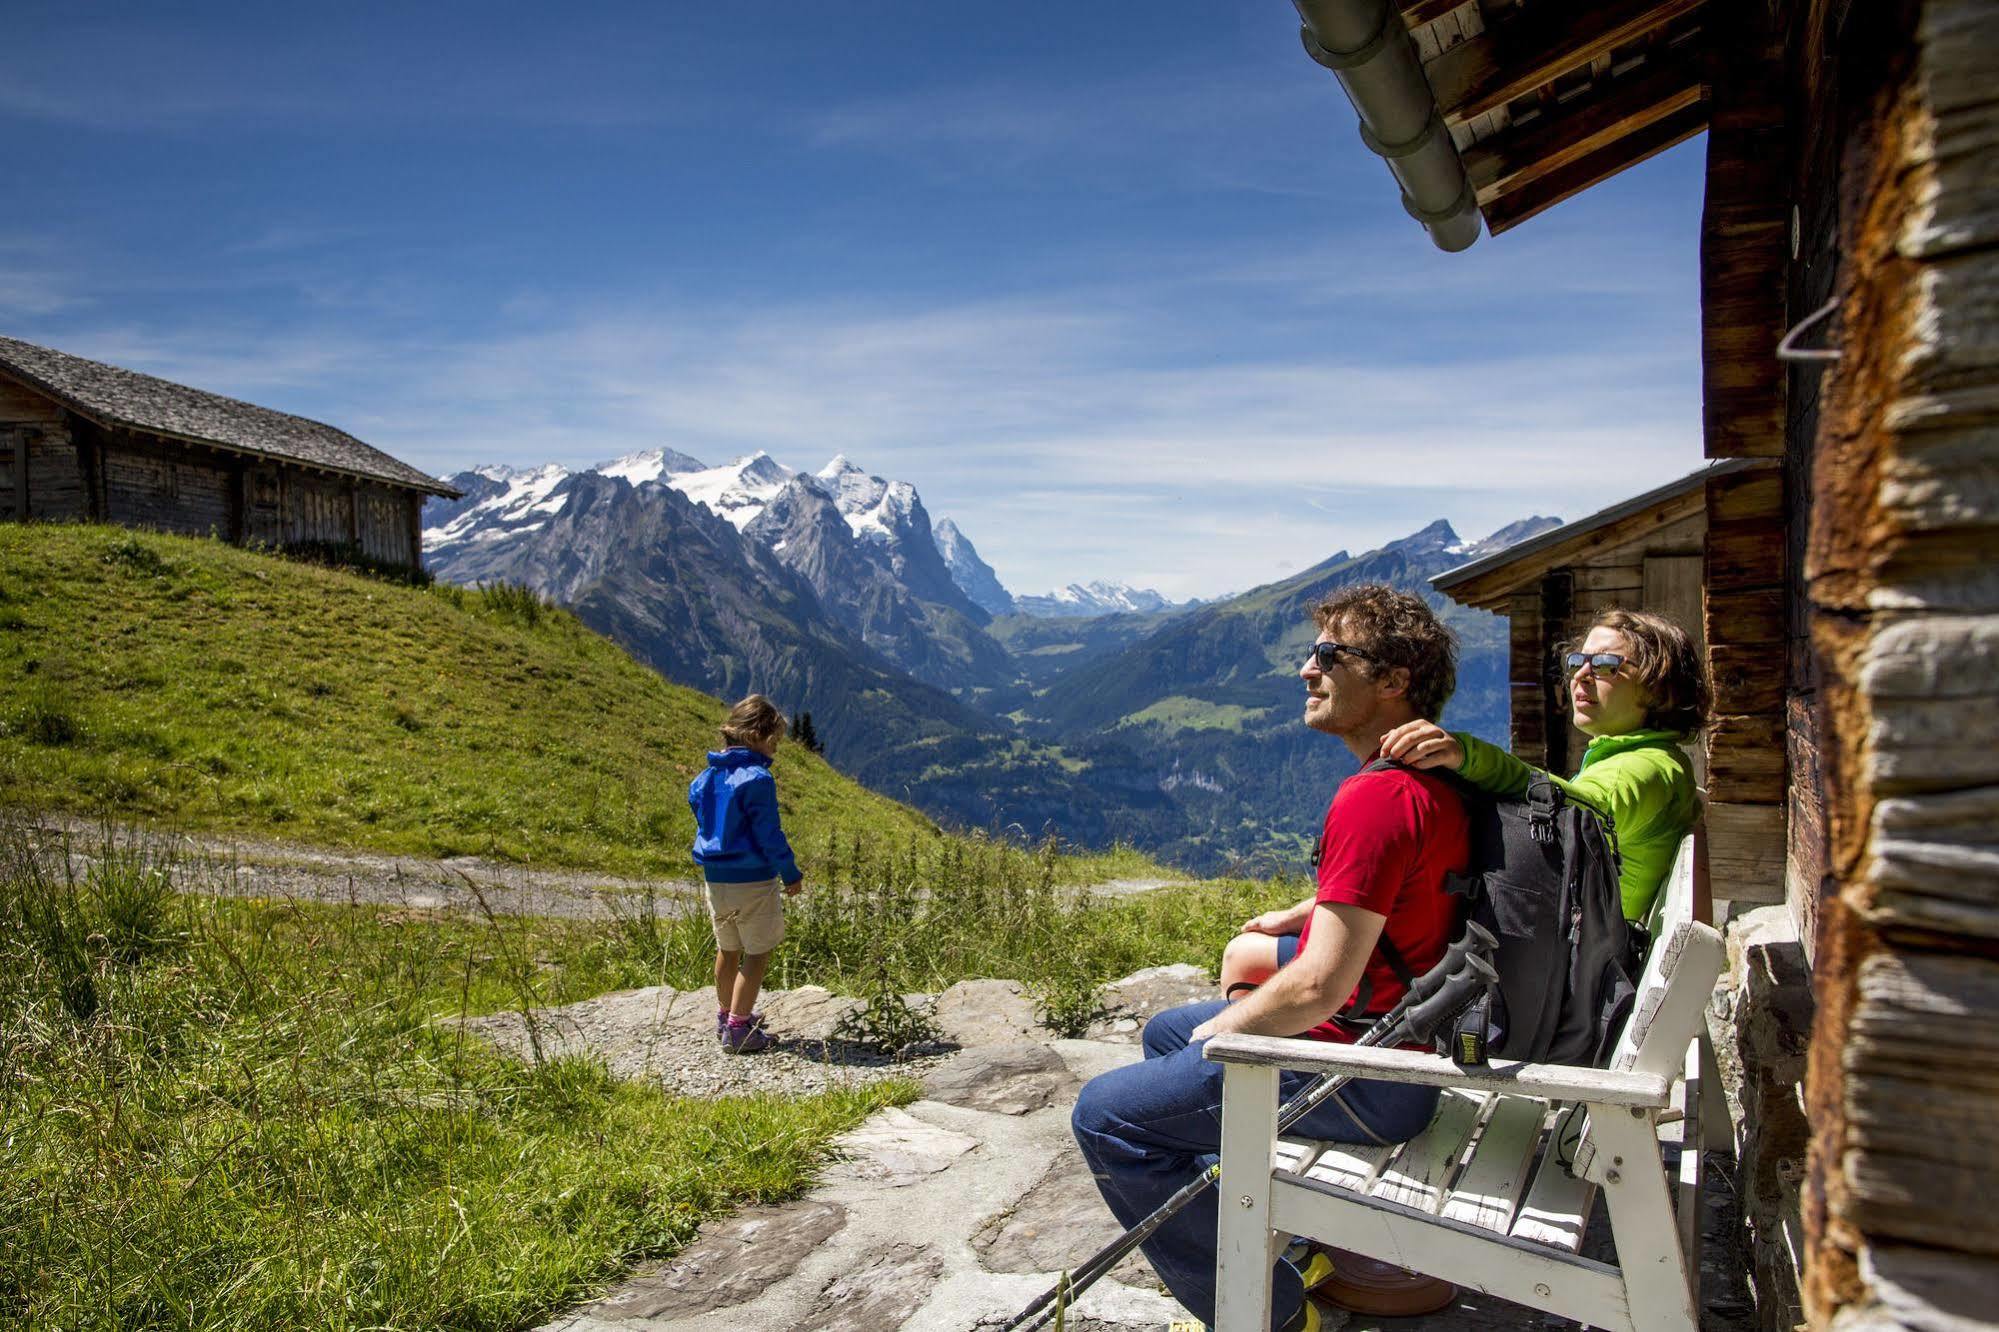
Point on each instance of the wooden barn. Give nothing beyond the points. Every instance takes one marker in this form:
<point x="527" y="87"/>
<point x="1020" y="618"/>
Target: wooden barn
<point x="1849" y="292"/>
<point x="81" y="440"/>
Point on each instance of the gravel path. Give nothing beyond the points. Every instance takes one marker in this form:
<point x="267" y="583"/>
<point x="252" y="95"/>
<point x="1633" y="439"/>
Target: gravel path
<point x="261" y="867"/>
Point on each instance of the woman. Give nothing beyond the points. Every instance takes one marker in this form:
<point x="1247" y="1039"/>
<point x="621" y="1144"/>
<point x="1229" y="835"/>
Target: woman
<point x="1638" y="688"/>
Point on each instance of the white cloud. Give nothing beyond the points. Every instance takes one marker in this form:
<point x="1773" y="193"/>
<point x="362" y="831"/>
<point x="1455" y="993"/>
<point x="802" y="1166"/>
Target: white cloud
<point x="1089" y="433"/>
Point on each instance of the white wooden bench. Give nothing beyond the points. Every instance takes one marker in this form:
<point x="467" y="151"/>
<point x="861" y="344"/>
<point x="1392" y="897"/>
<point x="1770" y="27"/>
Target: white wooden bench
<point x="1481" y="1197"/>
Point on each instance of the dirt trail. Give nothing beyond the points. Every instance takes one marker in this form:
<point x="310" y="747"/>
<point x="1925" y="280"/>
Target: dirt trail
<point x="270" y="868"/>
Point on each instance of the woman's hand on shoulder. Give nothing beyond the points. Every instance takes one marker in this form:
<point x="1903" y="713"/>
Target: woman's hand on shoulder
<point x="1423" y="744"/>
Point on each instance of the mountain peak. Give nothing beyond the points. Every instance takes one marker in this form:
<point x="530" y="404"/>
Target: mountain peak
<point x="650" y="465"/>
<point x="841" y="466"/>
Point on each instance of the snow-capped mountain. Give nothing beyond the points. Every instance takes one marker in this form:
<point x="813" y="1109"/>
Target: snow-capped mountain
<point x="1510" y="535"/>
<point x="968" y="571"/>
<point x="650" y="465"/>
<point x="862" y="542"/>
<point x="1095" y="598"/>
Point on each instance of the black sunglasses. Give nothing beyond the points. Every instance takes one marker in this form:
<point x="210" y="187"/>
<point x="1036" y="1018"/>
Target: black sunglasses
<point x="1327" y="655"/>
<point x="1602" y="665"/>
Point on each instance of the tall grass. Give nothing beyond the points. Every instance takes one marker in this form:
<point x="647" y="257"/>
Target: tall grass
<point x="921" y="914"/>
<point x="217" y="1113"/>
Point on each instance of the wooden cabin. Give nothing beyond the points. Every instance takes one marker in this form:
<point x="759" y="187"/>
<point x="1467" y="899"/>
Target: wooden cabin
<point x="1644" y="553"/>
<point x="1849" y="290"/>
<point x="81" y="440"/>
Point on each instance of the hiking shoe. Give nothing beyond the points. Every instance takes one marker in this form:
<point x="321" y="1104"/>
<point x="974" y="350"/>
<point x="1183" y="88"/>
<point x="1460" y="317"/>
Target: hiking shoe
<point x="745" y="1038"/>
<point x="723" y="1018"/>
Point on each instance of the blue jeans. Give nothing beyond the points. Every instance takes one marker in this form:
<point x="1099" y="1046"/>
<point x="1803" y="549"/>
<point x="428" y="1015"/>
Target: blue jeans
<point x="1148" y="1128"/>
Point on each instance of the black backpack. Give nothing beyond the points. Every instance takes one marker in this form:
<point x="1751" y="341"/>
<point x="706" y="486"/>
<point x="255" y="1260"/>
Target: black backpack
<point x="1544" y="879"/>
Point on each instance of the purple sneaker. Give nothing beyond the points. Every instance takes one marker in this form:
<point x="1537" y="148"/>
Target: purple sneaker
<point x="745" y="1038"/>
<point x="723" y="1018"/>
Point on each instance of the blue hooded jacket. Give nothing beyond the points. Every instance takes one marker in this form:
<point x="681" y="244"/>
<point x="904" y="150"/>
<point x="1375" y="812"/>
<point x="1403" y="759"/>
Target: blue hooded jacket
<point x="737" y="836"/>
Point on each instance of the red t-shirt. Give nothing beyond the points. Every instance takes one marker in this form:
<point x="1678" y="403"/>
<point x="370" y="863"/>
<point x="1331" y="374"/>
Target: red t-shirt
<point x="1390" y="839"/>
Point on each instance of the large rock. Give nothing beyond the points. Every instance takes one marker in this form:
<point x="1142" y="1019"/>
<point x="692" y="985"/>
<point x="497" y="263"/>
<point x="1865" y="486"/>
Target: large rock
<point x="733" y="1260"/>
<point x="1006" y="1079"/>
<point x="897" y="1148"/>
<point x="881" y="1295"/>
<point x="1056" y="1225"/>
<point x="1143" y="993"/>
<point x="986" y="1012"/>
<point x="808" y="1013"/>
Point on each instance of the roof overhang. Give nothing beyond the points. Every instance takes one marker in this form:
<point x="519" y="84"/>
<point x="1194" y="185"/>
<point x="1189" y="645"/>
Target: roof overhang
<point x="111" y="421"/>
<point x="1488" y="582"/>
<point x="1543" y="100"/>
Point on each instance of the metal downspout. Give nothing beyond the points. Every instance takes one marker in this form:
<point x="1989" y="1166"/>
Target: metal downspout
<point x="1366" y="44"/>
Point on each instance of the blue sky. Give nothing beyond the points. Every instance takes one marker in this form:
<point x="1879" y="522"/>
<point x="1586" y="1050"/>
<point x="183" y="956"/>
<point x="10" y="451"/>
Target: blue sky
<point x="1118" y="289"/>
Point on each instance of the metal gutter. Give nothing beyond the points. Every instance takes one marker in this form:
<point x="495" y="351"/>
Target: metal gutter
<point x="1366" y="46"/>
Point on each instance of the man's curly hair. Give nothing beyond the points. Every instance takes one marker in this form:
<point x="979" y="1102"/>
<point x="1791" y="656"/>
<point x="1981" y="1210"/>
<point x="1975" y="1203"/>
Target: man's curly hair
<point x="1396" y="629"/>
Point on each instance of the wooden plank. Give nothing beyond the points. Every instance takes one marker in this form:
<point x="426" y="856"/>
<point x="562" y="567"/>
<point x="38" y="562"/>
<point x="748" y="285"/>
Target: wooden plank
<point x="1416" y="1067"/>
<point x="1641" y="1220"/>
<point x="1589" y="1292"/>
<point x="1513" y="58"/>
<point x="1742" y="556"/>
<point x="1748" y="677"/>
<point x="1242" y="1246"/>
<point x="1417" y="1175"/>
<point x="1627" y="578"/>
<point x="1672" y="586"/>
<point x="1348" y="1165"/>
<point x="1509" y="210"/>
<point x="1622" y="107"/>
<point x="1416" y="13"/>
<point x="1746" y="851"/>
<point x="1687" y="1181"/>
<point x="1746" y="760"/>
<point x="1557" y="1208"/>
<point x="1488" y="1192"/>
<point x="1295" y="1154"/>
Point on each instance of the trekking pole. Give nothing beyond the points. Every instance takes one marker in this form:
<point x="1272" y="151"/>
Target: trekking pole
<point x="1432" y="999"/>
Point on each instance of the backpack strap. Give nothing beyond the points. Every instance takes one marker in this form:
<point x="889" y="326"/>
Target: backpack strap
<point x="1358" y="1015"/>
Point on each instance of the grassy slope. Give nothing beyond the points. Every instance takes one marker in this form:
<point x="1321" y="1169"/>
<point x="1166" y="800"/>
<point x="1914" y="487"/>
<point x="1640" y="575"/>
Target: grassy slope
<point x="186" y="680"/>
<point x="224" y="1114"/>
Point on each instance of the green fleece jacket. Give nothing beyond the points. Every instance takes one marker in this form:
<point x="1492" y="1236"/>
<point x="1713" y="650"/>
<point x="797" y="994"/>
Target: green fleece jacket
<point x="1641" y="779"/>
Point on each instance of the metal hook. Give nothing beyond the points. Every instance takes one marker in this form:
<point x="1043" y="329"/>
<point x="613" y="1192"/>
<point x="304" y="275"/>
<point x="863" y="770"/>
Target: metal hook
<point x="1787" y="352"/>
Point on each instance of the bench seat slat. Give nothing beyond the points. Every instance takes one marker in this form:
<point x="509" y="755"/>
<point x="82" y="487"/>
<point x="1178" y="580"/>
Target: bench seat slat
<point x="1489" y="1190"/>
<point x="1418" y="1173"/>
<point x="1350" y="1167"/>
<point x="1295" y="1154"/>
<point x="1558" y="1206"/>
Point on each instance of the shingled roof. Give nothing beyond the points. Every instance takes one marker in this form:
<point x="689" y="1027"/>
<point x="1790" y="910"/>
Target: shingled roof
<point x="112" y="396"/>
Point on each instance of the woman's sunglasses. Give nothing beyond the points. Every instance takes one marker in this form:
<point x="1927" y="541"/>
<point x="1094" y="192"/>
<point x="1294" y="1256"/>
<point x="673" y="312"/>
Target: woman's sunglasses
<point x="1602" y="665"/>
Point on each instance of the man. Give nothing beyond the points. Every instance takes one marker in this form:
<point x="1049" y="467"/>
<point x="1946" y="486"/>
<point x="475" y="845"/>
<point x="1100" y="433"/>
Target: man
<point x="1391" y="837"/>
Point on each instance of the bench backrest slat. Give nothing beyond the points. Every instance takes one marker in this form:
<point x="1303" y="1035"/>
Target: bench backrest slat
<point x="1673" y="989"/>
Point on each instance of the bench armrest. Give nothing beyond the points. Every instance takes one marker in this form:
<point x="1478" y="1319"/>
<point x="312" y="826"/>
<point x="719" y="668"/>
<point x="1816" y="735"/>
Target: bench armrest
<point x="1554" y="1082"/>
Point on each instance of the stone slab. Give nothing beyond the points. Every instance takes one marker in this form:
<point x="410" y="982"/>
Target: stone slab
<point x="894" y="1284"/>
<point x="896" y="1148"/>
<point x="1005" y="1079"/>
<point x="1056" y="1225"/>
<point x="731" y="1261"/>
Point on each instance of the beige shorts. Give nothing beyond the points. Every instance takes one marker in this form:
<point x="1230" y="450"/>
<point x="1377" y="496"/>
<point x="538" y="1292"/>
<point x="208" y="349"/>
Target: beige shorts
<point x="748" y="917"/>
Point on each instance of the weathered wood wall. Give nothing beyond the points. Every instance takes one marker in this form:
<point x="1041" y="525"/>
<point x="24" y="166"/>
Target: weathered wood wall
<point x="1745" y="232"/>
<point x="1903" y="578"/>
<point x="39" y="472"/>
<point x="56" y="465"/>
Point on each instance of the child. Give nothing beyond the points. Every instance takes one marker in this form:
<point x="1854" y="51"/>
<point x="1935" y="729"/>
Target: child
<point x="743" y="854"/>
